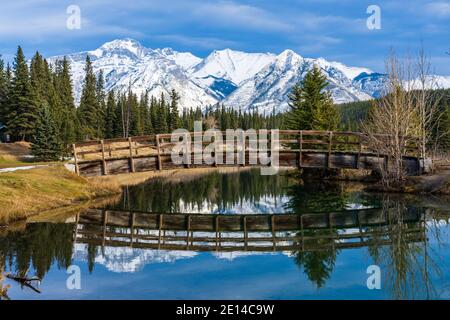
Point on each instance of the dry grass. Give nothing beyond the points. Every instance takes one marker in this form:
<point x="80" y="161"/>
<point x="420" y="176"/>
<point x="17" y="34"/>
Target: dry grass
<point x="16" y="155"/>
<point x="28" y="192"/>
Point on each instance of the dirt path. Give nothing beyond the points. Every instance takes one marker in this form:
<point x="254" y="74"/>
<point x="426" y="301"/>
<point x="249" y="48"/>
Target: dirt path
<point x="22" y="168"/>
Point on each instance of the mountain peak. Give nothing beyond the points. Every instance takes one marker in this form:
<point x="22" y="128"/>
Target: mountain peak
<point x="124" y="46"/>
<point x="288" y="57"/>
<point x="235" y="66"/>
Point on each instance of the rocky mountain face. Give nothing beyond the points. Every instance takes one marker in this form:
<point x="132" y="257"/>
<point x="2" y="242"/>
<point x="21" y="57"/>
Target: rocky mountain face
<point x="244" y="81"/>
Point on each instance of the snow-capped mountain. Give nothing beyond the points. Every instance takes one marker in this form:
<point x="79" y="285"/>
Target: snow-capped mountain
<point x="222" y="71"/>
<point x="241" y="80"/>
<point x="126" y="259"/>
<point x="126" y="63"/>
<point x="269" y="88"/>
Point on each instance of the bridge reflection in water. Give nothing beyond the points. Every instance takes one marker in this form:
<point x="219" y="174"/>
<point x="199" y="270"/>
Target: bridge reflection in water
<point x="254" y="233"/>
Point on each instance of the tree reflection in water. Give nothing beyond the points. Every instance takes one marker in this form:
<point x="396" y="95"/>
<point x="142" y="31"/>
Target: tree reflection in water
<point x="3" y="287"/>
<point x="407" y="262"/>
<point x="400" y="248"/>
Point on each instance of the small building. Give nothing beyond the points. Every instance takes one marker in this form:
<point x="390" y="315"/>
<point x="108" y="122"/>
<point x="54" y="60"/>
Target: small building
<point x="3" y="136"/>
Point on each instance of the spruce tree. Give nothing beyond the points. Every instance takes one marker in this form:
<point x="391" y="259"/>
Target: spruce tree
<point x="88" y="111"/>
<point x="119" y="130"/>
<point x="46" y="145"/>
<point x="63" y="84"/>
<point x="146" y="122"/>
<point x="37" y="81"/>
<point x="174" y="116"/>
<point x="101" y="98"/>
<point x="161" y="116"/>
<point x="110" y="117"/>
<point x="153" y="113"/>
<point x="311" y="106"/>
<point x="22" y="113"/>
<point x="4" y="85"/>
<point x="134" y="115"/>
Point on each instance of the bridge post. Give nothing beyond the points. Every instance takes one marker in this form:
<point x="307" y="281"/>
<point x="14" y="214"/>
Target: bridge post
<point x="300" y="149"/>
<point x="77" y="169"/>
<point x="359" y="152"/>
<point x="243" y="148"/>
<point x="330" y="143"/>
<point x="159" y="152"/>
<point x="130" y="145"/>
<point x="103" y="158"/>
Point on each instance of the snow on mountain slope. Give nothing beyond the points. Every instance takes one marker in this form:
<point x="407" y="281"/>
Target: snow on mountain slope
<point x="370" y="83"/>
<point x="127" y="63"/>
<point x="235" y="66"/>
<point x="129" y="260"/>
<point x="241" y="80"/>
<point x="183" y="59"/>
<point x="269" y="88"/>
<point x="349" y="72"/>
<point x="433" y="81"/>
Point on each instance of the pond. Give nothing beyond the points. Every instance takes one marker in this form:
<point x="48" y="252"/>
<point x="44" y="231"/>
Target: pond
<point x="237" y="235"/>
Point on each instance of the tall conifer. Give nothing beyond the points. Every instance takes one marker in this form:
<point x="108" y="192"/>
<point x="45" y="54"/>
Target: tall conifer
<point x="88" y="110"/>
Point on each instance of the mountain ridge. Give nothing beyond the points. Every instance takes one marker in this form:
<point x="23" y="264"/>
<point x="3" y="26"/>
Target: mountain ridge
<point x="241" y="80"/>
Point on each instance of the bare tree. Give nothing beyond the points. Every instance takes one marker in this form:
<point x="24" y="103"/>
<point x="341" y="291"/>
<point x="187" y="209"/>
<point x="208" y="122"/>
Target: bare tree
<point x="393" y="119"/>
<point x="427" y="104"/>
<point x="407" y="115"/>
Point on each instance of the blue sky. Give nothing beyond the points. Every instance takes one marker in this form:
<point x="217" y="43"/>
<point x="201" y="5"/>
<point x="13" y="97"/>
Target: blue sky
<point x="333" y="29"/>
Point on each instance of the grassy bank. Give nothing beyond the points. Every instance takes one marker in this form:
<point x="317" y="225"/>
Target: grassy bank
<point x="16" y="154"/>
<point x="28" y="192"/>
<point x="437" y="183"/>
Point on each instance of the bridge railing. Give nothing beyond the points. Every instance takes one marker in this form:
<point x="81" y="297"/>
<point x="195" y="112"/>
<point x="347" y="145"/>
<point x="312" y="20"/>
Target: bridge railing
<point x="289" y="141"/>
<point x="294" y="140"/>
<point x="262" y="232"/>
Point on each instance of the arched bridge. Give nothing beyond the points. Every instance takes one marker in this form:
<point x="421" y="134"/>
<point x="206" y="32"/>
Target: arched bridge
<point x="295" y="148"/>
<point x="251" y="232"/>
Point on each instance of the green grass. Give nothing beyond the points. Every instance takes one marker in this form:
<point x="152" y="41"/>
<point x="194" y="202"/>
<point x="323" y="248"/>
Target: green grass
<point x="27" y="192"/>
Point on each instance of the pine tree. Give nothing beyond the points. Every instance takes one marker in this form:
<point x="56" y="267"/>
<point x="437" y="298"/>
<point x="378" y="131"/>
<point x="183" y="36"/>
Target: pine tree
<point x="37" y="81"/>
<point x="4" y="85"/>
<point x="161" y="116"/>
<point x="46" y="145"/>
<point x="174" y="115"/>
<point x="88" y="111"/>
<point x="22" y="113"/>
<point x="70" y="129"/>
<point x="134" y="114"/>
<point x="311" y="106"/>
<point x="153" y="113"/>
<point x="101" y="98"/>
<point x="110" y="117"/>
<point x="146" y="122"/>
<point x="119" y="125"/>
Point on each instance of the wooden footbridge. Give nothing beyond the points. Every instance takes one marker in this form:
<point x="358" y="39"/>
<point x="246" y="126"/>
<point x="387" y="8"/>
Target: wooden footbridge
<point x="302" y="149"/>
<point x="250" y="232"/>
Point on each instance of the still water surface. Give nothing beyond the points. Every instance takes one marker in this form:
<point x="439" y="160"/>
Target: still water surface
<point x="410" y="244"/>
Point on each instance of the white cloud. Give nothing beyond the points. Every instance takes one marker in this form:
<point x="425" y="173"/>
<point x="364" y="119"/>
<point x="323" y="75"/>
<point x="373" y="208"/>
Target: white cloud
<point x="233" y="14"/>
<point x="197" y="42"/>
<point x="440" y="9"/>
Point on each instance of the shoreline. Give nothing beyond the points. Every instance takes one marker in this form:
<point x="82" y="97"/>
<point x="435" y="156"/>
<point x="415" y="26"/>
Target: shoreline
<point x="28" y="193"/>
<point x="54" y="190"/>
<point x="50" y="185"/>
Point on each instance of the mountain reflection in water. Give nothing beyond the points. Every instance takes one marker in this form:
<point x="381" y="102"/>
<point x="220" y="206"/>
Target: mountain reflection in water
<point x="245" y="222"/>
